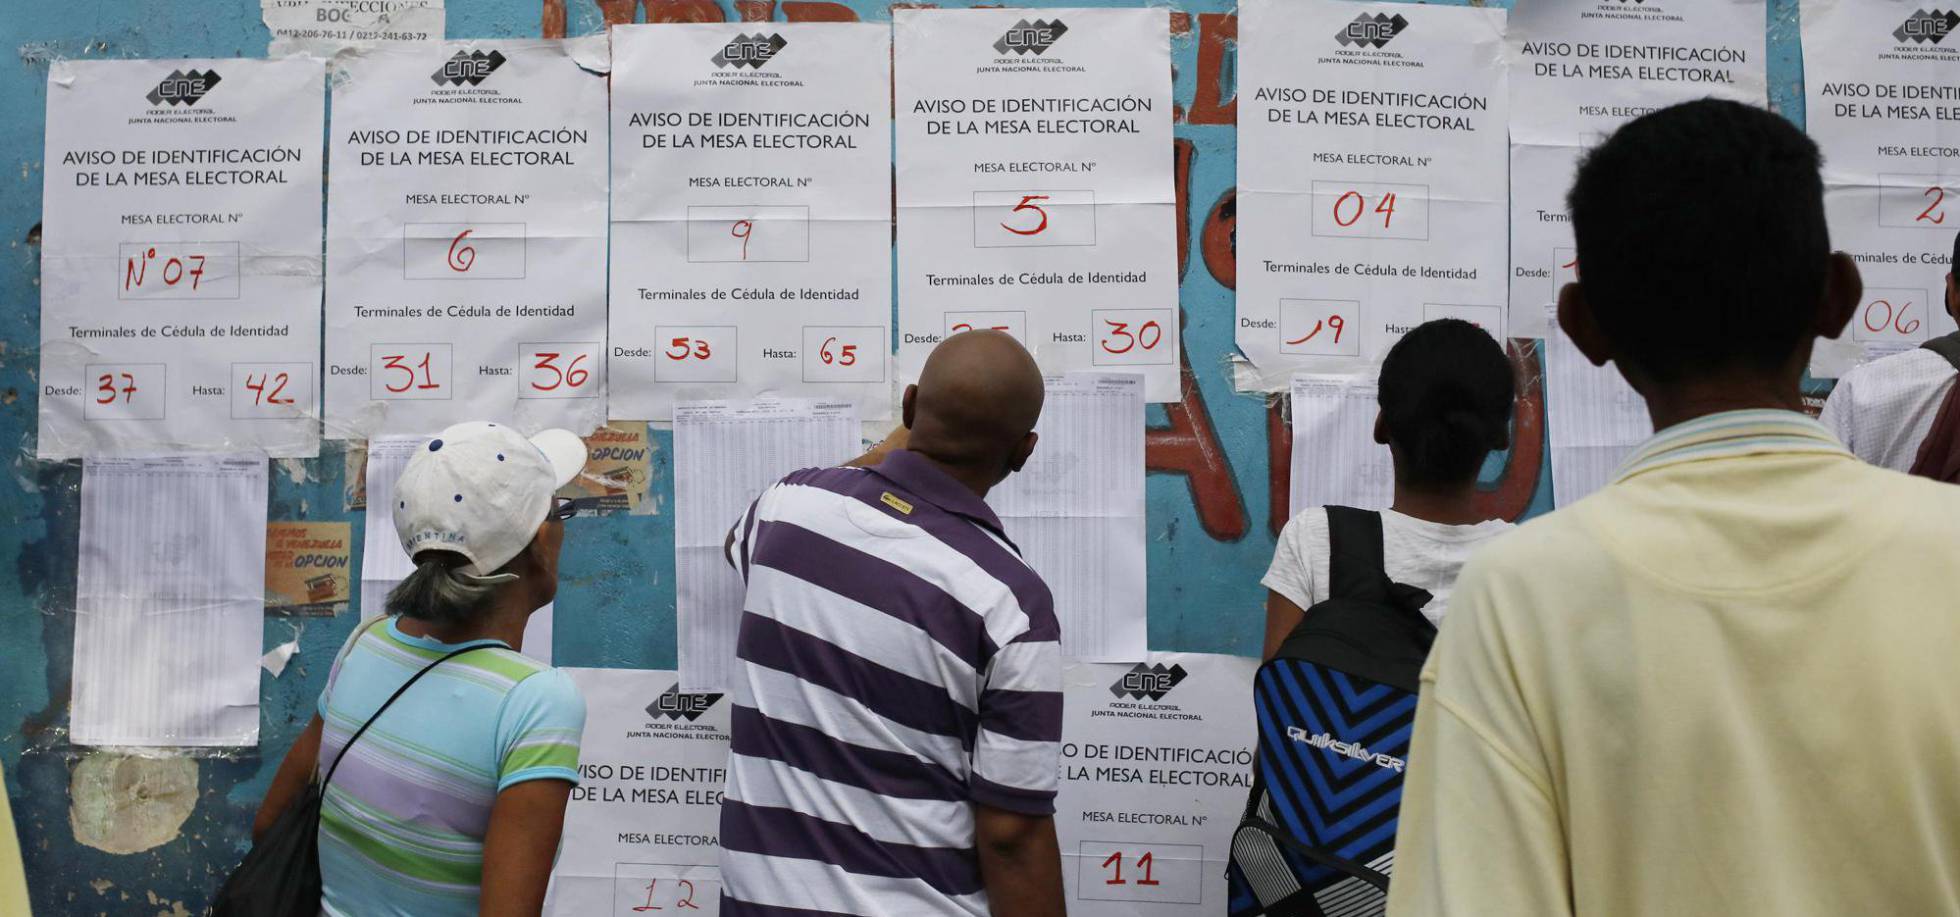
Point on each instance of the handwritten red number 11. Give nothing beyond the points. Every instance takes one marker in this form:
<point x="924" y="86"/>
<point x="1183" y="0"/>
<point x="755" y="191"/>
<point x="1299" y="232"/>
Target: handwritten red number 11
<point x="1115" y="861"/>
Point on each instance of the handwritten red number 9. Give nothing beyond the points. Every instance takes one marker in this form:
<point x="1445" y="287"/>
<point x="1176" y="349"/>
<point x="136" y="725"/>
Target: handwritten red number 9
<point x="460" y="259"/>
<point x="1333" y="321"/>
<point x="742" y="230"/>
<point x="1028" y="203"/>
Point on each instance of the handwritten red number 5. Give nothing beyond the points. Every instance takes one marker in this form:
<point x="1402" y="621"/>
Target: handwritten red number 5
<point x="1028" y="203"/>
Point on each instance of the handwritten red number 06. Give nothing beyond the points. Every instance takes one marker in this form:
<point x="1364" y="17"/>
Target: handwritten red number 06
<point x="1148" y="336"/>
<point x="1894" y="318"/>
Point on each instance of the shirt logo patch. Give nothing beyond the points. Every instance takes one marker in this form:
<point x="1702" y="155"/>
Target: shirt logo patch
<point x="894" y="502"/>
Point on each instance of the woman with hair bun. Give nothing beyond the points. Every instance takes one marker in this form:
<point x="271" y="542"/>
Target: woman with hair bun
<point x="1445" y="396"/>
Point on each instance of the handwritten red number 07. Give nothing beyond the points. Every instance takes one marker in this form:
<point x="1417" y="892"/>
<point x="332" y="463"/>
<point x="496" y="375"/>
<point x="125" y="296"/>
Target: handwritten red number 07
<point x="1148" y="336"/>
<point x="137" y="270"/>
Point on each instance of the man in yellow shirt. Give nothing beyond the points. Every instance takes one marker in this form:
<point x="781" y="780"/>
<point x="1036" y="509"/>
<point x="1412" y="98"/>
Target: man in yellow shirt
<point x="1729" y="683"/>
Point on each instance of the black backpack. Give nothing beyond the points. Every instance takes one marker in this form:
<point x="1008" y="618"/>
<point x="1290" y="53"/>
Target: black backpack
<point x="1335" y="709"/>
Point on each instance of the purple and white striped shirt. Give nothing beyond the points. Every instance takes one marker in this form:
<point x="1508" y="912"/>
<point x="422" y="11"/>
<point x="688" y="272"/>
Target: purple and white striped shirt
<point x="900" y="663"/>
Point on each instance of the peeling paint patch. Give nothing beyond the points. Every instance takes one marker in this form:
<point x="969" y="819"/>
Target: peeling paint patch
<point x="126" y="804"/>
<point x="295" y="469"/>
<point x="101" y="886"/>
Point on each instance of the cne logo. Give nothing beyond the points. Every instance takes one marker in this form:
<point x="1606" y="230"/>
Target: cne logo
<point x="1371" y="29"/>
<point x="1927" y="26"/>
<point x="750" y="51"/>
<point x="470" y="67"/>
<point x="1148" y="682"/>
<point x="677" y="706"/>
<point x="183" y="87"/>
<point x="1031" y="37"/>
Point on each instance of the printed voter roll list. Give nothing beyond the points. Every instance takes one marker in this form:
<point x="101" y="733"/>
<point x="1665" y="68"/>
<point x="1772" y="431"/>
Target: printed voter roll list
<point x="466" y="239"/>
<point x="180" y="301"/>
<point x="1035" y="188"/>
<point x="751" y="215"/>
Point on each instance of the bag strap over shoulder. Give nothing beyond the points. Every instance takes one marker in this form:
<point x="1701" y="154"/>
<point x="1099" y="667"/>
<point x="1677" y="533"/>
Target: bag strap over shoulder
<point x="412" y="679"/>
<point x="1948" y="346"/>
<point x="1357" y="568"/>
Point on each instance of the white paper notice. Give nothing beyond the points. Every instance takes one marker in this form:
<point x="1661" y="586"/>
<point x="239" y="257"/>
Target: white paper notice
<point x="1879" y="98"/>
<point x="1336" y="461"/>
<point x="751" y="214"/>
<point x="1580" y="69"/>
<point x="180" y="257"/>
<point x="1372" y="173"/>
<point x="641" y="827"/>
<point x="725" y="454"/>
<point x="466" y="239"/>
<point x="1156" y="764"/>
<point x="1035" y="190"/>
<point x="1076" y="512"/>
<point x="1593" y="417"/>
<point x="322" y="26"/>
<point x="169" y="600"/>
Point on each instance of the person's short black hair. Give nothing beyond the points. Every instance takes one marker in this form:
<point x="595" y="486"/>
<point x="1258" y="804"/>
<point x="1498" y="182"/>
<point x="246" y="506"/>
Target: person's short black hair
<point x="1445" y="392"/>
<point x="1701" y="237"/>
<point x="1953" y="266"/>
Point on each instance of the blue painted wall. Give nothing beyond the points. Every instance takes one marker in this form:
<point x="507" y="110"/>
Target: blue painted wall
<point x="616" y="605"/>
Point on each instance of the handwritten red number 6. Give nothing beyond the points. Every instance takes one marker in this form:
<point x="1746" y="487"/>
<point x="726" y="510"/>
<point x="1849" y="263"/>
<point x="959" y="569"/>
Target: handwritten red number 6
<point x="460" y="259"/>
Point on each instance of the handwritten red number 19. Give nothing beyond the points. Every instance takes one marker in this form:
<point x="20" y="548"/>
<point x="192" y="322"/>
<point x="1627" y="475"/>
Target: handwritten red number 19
<point x="1386" y="207"/>
<point x="1115" y="861"/>
<point x="108" y="391"/>
<point x="1333" y="321"/>
<point x="1028" y="203"/>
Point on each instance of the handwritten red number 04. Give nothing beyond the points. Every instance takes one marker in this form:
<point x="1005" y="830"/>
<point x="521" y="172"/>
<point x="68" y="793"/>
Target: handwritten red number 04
<point x="257" y="385"/>
<point x="1386" y="207"/>
<point x="107" y="391"/>
<point x="570" y="376"/>
<point x="415" y="375"/>
<point x="1147" y="336"/>
<point x="844" y="356"/>
<point x="1893" y="318"/>
<point x="1028" y="203"/>
<point x="1115" y="862"/>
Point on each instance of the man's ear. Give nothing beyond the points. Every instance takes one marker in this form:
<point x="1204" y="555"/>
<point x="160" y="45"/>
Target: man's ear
<point x="1575" y="317"/>
<point x="908" y="405"/>
<point x="1953" y="295"/>
<point x="1381" y="428"/>
<point x="1843" y="290"/>
<point x="1022" y="451"/>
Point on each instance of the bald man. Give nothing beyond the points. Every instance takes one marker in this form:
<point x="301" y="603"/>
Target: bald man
<point x="898" y="709"/>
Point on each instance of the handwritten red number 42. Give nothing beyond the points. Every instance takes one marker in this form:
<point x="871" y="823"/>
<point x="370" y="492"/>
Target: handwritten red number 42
<point x="257" y="385"/>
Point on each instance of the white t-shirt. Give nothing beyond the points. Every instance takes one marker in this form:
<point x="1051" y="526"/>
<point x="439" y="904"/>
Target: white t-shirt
<point x="1415" y="552"/>
<point x="1883" y="410"/>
